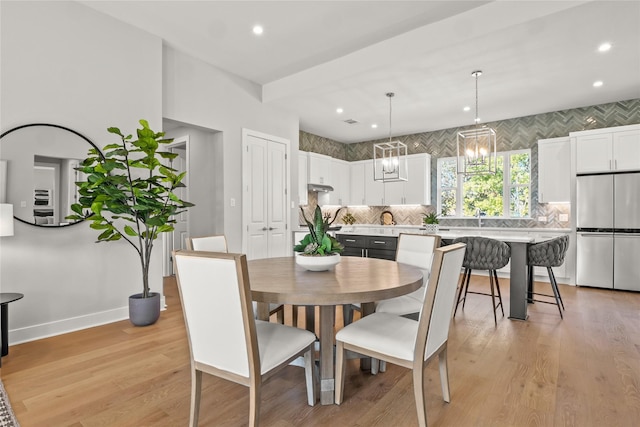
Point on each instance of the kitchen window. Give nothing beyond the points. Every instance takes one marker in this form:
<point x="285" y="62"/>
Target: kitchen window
<point x="505" y="194"/>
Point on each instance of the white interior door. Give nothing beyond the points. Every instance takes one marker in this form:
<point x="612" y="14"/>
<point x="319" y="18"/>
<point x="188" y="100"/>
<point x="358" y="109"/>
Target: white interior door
<point x="265" y="199"/>
<point x="176" y="240"/>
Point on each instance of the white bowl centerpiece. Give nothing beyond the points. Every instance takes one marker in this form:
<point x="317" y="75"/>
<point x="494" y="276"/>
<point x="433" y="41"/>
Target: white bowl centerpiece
<point x="318" y="250"/>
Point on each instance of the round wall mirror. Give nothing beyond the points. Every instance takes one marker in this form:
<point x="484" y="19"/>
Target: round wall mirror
<point x="37" y="172"/>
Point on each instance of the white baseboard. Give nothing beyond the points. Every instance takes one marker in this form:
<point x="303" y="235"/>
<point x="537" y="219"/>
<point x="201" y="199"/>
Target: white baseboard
<point x="64" y="326"/>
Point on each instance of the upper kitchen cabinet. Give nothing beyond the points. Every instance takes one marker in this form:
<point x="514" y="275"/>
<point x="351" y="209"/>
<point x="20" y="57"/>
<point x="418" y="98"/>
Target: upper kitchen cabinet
<point x="303" y="173"/>
<point x="554" y="172"/>
<point x="608" y="150"/>
<point x="373" y="190"/>
<point x="319" y="169"/>
<point x="356" y="183"/>
<point x="417" y="189"/>
<point x="340" y="181"/>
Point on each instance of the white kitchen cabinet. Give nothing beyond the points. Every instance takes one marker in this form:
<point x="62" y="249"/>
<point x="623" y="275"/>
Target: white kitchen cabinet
<point x="626" y="150"/>
<point x="340" y="181"/>
<point x="417" y="189"/>
<point x="319" y="169"/>
<point x="608" y="150"/>
<point x="554" y="171"/>
<point x="373" y="190"/>
<point x="356" y="183"/>
<point x="303" y="174"/>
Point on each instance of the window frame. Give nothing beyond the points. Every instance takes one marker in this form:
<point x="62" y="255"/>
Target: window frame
<point x="507" y="186"/>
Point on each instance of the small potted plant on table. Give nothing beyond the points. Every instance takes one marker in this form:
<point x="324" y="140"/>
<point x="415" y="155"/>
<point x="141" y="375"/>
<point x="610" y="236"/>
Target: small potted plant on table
<point x="318" y="250"/>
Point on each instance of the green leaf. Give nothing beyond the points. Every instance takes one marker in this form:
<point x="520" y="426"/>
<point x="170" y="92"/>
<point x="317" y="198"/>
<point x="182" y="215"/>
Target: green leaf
<point x="130" y="231"/>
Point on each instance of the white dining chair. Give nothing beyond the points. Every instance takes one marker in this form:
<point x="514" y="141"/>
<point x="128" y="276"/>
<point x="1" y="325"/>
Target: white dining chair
<point x="218" y="243"/>
<point x="225" y="340"/>
<point x="416" y="250"/>
<point x="413" y="249"/>
<point x="405" y="342"/>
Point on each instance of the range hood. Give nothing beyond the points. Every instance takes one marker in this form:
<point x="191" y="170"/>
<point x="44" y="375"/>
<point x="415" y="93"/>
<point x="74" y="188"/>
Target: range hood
<point x="319" y="188"/>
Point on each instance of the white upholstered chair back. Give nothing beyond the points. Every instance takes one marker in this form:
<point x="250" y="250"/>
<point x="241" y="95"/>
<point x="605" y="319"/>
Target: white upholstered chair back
<point x="417" y="250"/>
<point x="207" y="243"/>
<point x="217" y="308"/>
<point x="435" y="317"/>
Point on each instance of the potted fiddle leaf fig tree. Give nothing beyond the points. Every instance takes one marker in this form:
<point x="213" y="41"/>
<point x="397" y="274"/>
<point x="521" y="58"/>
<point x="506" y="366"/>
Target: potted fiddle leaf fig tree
<point x="319" y="250"/>
<point x="129" y="195"/>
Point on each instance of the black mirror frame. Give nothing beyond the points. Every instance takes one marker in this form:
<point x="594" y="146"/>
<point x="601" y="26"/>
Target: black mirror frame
<point x="58" y="127"/>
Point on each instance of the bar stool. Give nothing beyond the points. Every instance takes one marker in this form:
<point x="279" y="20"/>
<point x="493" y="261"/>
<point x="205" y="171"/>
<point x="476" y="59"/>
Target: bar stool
<point x="483" y="253"/>
<point x="547" y="254"/>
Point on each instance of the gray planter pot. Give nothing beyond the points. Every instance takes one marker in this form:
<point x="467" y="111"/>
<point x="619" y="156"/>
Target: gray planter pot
<point x="144" y="311"/>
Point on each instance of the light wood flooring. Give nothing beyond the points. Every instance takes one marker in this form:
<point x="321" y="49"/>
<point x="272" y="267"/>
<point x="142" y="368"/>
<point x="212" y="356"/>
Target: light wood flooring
<point x="581" y="371"/>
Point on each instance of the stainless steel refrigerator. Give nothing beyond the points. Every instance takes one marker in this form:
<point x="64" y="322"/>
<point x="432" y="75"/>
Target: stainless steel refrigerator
<point x="608" y="231"/>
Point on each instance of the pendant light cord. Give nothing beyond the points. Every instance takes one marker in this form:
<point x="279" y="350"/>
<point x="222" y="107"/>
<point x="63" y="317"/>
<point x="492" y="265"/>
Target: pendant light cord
<point x="390" y="95"/>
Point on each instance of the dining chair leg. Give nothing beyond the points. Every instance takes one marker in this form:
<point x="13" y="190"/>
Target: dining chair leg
<point x="310" y="375"/>
<point x="196" y="392"/>
<point x="347" y="314"/>
<point x="418" y="391"/>
<point x="340" y="371"/>
<point x="254" y="402"/>
<point x="294" y="316"/>
<point x="444" y="375"/>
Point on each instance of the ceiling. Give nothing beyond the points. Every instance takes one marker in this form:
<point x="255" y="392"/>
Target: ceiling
<point x="316" y="56"/>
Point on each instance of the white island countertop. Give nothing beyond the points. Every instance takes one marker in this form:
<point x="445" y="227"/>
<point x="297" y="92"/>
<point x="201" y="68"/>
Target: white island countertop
<point x="521" y="234"/>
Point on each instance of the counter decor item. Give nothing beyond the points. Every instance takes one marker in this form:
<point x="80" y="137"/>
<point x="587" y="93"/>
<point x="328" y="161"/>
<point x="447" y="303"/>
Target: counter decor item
<point x="431" y="222"/>
<point x="319" y="251"/>
<point x="349" y="219"/>
<point x="386" y="218"/>
<point x="129" y="194"/>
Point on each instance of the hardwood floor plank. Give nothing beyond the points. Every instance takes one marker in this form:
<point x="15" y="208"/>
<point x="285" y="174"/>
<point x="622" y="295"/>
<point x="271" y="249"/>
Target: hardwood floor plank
<point x="582" y="371"/>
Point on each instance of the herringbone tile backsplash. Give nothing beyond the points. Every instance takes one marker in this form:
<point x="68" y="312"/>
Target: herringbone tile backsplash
<point x="512" y="134"/>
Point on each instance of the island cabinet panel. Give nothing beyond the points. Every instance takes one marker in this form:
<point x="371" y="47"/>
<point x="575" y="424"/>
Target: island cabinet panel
<point x="383" y="247"/>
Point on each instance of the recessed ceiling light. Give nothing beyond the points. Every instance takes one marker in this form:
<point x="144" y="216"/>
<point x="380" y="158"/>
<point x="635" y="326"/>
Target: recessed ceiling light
<point x="258" y="30"/>
<point x="374" y="126"/>
<point x="339" y="110"/>
<point x="597" y="83"/>
<point x="604" y="47"/>
<point x="467" y="108"/>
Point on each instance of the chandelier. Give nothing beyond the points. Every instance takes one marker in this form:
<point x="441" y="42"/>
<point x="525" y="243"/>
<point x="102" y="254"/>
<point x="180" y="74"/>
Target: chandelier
<point x="477" y="147"/>
<point x="390" y="158"/>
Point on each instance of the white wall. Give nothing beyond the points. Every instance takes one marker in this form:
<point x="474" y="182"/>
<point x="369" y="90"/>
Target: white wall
<point x="202" y="95"/>
<point x="64" y="63"/>
<point x="67" y="64"/>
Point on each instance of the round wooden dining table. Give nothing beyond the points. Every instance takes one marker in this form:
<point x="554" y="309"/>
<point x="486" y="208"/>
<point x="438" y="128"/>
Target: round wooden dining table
<point x="353" y="280"/>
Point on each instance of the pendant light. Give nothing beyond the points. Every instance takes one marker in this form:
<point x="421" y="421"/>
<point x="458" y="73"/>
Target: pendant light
<point x="390" y="158"/>
<point x="477" y="147"/>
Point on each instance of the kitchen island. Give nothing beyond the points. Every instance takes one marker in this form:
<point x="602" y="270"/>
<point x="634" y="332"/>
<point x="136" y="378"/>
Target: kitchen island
<point x="518" y="239"/>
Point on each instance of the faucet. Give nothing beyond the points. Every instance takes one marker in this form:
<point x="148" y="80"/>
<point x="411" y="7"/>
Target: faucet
<point x="478" y="213"/>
